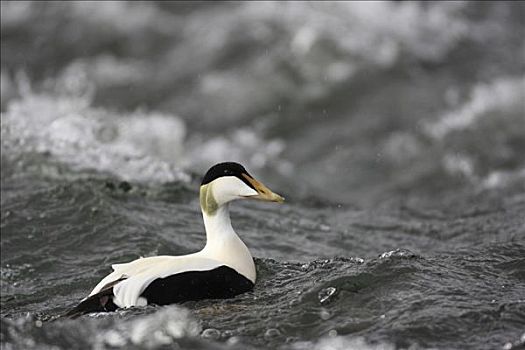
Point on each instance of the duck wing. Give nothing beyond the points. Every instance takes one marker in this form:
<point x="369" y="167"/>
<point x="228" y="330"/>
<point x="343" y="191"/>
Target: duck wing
<point x="163" y="280"/>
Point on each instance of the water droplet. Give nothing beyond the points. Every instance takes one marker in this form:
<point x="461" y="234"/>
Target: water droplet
<point x="325" y="294"/>
<point x="332" y="333"/>
<point x="38" y="323"/>
<point x="272" y="333"/>
<point x="211" y="333"/>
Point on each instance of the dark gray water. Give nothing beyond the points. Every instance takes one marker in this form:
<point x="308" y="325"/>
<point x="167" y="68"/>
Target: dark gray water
<point x="395" y="130"/>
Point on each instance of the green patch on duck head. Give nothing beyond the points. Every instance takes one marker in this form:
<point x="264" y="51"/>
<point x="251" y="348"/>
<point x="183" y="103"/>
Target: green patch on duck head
<point x="208" y="203"/>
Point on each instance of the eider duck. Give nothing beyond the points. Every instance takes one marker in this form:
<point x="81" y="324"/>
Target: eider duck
<point x="222" y="269"/>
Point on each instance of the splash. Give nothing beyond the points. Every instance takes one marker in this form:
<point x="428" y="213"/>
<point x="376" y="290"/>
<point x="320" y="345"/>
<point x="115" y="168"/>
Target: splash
<point x="139" y="146"/>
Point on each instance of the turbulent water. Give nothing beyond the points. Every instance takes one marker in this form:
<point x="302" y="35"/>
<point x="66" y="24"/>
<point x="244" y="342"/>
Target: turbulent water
<point x="395" y="130"/>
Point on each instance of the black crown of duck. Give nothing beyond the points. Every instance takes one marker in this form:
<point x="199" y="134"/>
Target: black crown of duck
<point x="222" y="269"/>
<point x="225" y="169"/>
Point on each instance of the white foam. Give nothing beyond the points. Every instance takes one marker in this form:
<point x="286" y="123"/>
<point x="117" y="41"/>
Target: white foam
<point x="341" y="343"/>
<point x="102" y="71"/>
<point x="378" y="31"/>
<point x="498" y="178"/>
<point x="158" y="329"/>
<point x="139" y="146"/>
<point x="398" y="253"/>
<point x="493" y="114"/>
<point x="127" y="18"/>
<point x="505" y="94"/>
<point x="244" y="145"/>
<point x="324" y="44"/>
<point x="459" y="164"/>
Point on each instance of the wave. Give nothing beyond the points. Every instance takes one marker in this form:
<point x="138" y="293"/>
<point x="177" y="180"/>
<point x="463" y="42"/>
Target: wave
<point x="141" y="146"/>
<point x="376" y="303"/>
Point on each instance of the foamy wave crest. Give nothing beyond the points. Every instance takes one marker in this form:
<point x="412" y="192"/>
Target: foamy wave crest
<point x="63" y="126"/>
<point x="321" y="44"/>
<point x="483" y="138"/>
<point x="151" y="331"/>
<point x="501" y="95"/>
<point x="112" y="16"/>
<point x="290" y="51"/>
<point x="243" y="145"/>
<point x="335" y="342"/>
<point x="139" y="146"/>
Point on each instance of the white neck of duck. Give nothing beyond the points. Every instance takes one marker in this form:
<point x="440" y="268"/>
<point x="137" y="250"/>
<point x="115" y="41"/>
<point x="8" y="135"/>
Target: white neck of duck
<point x="223" y="244"/>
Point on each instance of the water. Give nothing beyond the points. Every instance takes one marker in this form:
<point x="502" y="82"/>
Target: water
<point x="395" y="130"/>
